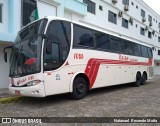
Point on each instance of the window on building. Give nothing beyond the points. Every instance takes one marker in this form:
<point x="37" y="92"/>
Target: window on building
<point x="159" y="52"/>
<point x="100" y="7"/>
<point x="132" y="3"/>
<point x="142" y="13"/>
<point x="28" y="11"/>
<point x="158" y="38"/>
<point x="149" y="18"/>
<point x="149" y="34"/>
<point x="125" y="2"/>
<point x="142" y="31"/>
<point x="91" y="6"/>
<point x="112" y="17"/>
<point x="83" y="36"/>
<point x="0" y="13"/>
<point x="124" y="23"/>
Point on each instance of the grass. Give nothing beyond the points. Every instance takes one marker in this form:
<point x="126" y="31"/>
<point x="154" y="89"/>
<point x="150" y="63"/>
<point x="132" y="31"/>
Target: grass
<point x="11" y="99"/>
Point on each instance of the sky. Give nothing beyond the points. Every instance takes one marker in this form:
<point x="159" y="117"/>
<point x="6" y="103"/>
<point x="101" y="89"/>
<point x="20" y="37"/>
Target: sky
<point x="154" y="4"/>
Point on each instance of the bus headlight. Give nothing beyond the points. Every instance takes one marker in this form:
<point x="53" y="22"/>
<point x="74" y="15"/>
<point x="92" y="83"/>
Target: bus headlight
<point x="33" y="83"/>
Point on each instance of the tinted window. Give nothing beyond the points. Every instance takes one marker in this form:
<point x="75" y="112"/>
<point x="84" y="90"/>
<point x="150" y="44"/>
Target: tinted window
<point x="159" y="52"/>
<point x="128" y="47"/>
<point x="102" y="40"/>
<point x="142" y="13"/>
<point x="52" y="58"/>
<point x="144" y="51"/>
<point x="149" y="18"/>
<point x="91" y="6"/>
<point x="158" y="38"/>
<point x="149" y="34"/>
<point x="124" y="23"/>
<point x="137" y="50"/>
<point x="125" y="2"/>
<point x="60" y="32"/>
<point x="0" y="13"/>
<point x="83" y="36"/>
<point x="142" y="31"/>
<point x="150" y="53"/>
<point x="117" y="44"/>
<point x="35" y="28"/>
<point x="112" y="17"/>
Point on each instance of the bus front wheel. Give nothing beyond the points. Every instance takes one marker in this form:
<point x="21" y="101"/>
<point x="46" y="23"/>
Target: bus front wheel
<point x="79" y="88"/>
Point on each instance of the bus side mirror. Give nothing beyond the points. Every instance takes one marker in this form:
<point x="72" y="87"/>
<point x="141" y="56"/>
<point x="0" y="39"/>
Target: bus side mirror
<point x="5" y="57"/>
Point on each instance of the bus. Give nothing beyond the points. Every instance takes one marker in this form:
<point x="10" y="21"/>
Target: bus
<point x="54" y="55"/>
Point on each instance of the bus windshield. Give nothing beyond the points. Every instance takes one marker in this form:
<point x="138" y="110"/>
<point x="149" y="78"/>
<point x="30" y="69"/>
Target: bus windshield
<point x="26" y="57"/>
<point x="26" y="53"/>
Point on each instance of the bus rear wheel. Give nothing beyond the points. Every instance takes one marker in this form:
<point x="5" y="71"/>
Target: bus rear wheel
<point x="79" y="88"/>
<point x="144" y="78"/>
<point x="138" y="80"/>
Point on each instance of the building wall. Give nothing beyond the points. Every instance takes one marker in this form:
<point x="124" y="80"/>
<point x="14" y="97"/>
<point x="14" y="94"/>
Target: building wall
<point x="4" y="24"/>
<point x="4" y="69"/>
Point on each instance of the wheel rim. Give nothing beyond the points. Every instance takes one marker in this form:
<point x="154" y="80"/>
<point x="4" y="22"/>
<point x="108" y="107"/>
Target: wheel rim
<point x="80" y="88"/>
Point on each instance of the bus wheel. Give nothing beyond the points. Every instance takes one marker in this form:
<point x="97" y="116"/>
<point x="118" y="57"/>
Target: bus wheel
<point x="79" y="88"/>
<point x="144" y="79"/>
<point x="138" y="80"/>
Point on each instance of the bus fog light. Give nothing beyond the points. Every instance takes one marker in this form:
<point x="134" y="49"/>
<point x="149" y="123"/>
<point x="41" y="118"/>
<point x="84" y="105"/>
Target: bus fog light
<point x="33" y="83"/>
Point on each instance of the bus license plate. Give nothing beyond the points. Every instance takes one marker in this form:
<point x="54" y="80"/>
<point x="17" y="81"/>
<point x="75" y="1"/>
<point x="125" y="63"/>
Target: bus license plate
<point x="17" y="92"/>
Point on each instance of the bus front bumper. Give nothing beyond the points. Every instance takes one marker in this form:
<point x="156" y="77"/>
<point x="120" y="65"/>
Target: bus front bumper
<point x="32" y="91"/>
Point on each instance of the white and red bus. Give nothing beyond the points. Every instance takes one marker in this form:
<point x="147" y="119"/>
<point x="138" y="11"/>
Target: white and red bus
<point x="54" y="55"/>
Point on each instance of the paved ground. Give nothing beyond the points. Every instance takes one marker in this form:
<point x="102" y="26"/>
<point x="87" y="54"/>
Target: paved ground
<point x="116" y="101"/>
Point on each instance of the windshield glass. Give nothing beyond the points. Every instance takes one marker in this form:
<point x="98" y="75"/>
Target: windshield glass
<point x="26" y="53"/>
<point x="35" y="28"/>
<point x="26" y="57"/>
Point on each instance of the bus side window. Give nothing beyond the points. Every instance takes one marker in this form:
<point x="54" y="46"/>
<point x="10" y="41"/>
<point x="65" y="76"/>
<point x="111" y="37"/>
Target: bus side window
<point x="150" y="53"/>
<point x="83" y="37"/>
<point x="144" y="51"/>
<point x="102" y="41"/>
<point x="137" y="50"/>
<point x="117" y="44"/>
<point x="52" y="56"/>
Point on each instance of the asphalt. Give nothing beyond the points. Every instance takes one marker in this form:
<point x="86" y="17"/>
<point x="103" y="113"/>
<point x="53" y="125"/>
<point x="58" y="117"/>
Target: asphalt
<point x="4" y="92"/>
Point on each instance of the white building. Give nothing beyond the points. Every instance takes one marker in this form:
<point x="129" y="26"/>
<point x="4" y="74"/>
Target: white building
<point x="132" y="19"/>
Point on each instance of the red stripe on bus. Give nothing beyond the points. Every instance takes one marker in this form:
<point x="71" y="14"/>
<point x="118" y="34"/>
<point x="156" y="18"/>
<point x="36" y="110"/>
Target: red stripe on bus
<point x="93" y="65"/>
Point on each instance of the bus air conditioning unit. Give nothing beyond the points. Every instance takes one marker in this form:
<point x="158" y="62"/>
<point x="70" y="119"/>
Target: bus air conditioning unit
<point x="143" y="19"/>
<point x="120" y="14"/>
<point x="150" y="24"/>
<point x="131" y="20"/>
<point x="126" y="8"/>
<point x="114" y="1"/>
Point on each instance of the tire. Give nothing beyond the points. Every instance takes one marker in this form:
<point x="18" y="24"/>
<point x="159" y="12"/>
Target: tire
<point x="138" y="80"/>
<point x="144" y="79"/>
<point x="79" y="88"/>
